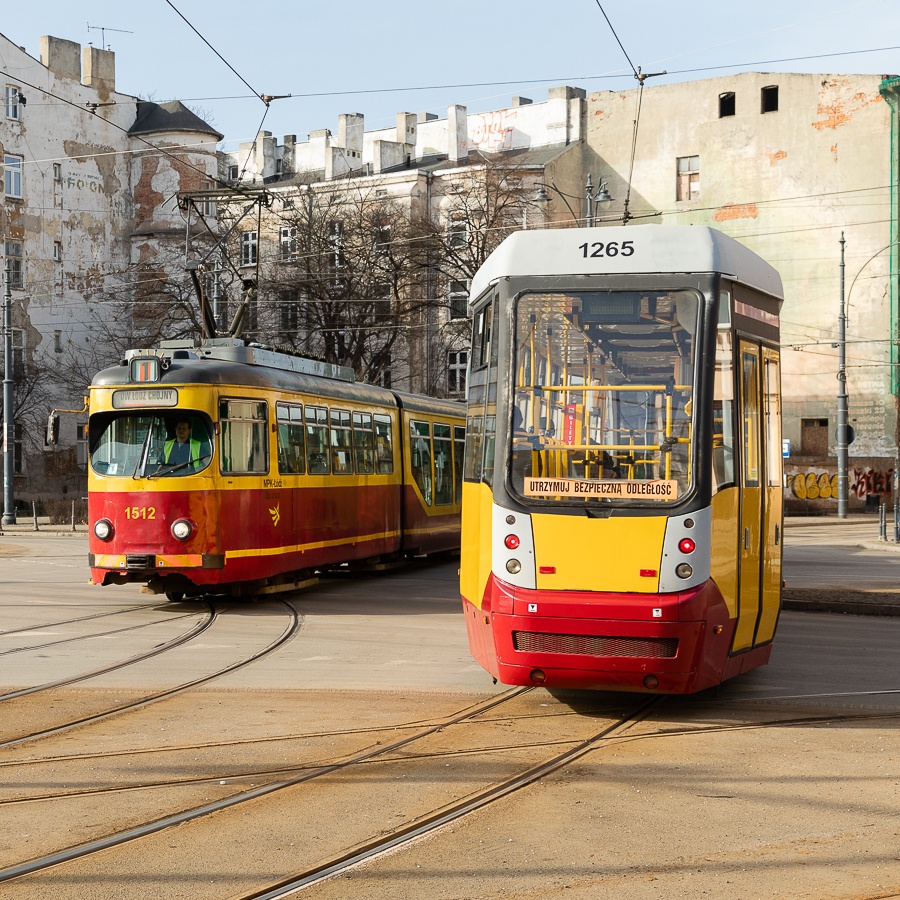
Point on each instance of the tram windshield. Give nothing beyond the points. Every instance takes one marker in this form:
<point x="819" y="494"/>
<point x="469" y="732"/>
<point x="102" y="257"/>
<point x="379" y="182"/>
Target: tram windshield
<point x="603" y="407"/>
<point x="145" y="445"/>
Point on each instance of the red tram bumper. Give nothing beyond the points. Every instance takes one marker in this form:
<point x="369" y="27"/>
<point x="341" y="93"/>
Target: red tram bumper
<point x="658" y="643"/>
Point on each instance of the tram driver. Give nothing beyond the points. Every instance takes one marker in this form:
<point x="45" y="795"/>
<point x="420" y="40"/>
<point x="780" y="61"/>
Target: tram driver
<point x="183" y="448"/>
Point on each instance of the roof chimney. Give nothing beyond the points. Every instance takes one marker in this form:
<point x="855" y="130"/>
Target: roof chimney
<point x="457" y="133"/>
<point x="61" y="57"/>
<point x="99" y="69"/>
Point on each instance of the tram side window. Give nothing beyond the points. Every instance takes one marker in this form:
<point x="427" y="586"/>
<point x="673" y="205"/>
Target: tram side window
<point x="291" y="455"/>
<point x="459" y="454"/>
<point x="443" y="464"/>
<point x="341" y="453"/>
<point x="244" y="433"/>
<point x="420" y="457"/>
<point x="384" y="446"/>
<point x="317" y="440"/>
<point x="363" y="444"/>
<point x="751" y="409"/>
<point x="723" y="416"/>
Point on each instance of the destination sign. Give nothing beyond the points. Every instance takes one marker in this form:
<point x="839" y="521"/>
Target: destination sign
<point x="658" y="489"/>
<point x="137" y="399"/>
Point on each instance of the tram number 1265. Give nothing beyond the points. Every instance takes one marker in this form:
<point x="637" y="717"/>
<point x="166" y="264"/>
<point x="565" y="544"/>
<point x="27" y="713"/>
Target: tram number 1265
<point x="613" y="248"/>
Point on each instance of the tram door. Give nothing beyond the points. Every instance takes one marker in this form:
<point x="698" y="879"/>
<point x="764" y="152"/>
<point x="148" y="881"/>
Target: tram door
<point x="759" y="533"/>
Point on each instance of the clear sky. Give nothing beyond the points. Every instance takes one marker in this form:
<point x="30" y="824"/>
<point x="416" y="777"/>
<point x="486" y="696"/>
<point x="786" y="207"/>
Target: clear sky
<point x="380" y="58"/>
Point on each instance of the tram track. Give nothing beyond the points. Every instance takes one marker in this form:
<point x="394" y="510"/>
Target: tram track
<point x="295" y="623"/>
<point x="251" y="811"/>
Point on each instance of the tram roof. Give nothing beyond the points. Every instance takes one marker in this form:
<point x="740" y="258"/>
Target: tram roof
<point x="658" y="249"/>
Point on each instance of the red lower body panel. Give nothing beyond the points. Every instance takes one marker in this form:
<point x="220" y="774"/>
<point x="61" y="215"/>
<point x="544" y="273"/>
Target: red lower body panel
<point x="659" y="643"/>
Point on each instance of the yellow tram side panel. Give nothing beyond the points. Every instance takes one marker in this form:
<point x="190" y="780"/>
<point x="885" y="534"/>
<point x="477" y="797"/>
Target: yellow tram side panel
<point x="475" y="559"/>
<point x="724" y="547"/>
<point x="771" y="592"/>
<point x="598" y="554"/>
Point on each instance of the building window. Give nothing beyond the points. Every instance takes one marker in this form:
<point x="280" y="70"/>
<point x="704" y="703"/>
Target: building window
<point x="381" y="236"/>
<point x="18" y="454"/>
<point x="458" y="298"/>
<point x="382" y="301"/>
<point x="457" y="233"/>
<point x="57" y="171"/>
<point x="814" y="437"/>
<point x="14" y="102"/>
<point x="688" y="183"/>
<point x="12" y="176"/>
<point x="57" y="341"/>
<point x="335" y="261"/>
<point x="81" y="446"/>
<point x="769" y="99"/>
<point x="289" y="313"/>
<point x="233" y="173"/>
<point x="18" y="353"/>
<point x="289" y="251"/>
<point x="15" y="271"/>
<point x="457" y="362"/>
<point x="383" y="376"/>
<point x="726" y="104"/>
<point x="57" y="251"/>
<point x="249" y="247"/>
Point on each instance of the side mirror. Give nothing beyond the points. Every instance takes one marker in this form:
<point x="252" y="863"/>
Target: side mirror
<point x="53" y="429"/>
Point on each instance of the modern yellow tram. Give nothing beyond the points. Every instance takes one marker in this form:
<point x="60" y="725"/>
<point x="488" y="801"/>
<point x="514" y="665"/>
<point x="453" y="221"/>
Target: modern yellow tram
<point x="622" y="498"/>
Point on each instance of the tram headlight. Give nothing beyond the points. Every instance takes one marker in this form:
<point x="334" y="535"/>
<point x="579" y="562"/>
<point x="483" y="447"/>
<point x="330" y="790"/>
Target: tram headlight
<point x="103" y="530"/>
<point x="513" y="566"/>
<point x="683" y="570"/>
<point x="182" y="529"/>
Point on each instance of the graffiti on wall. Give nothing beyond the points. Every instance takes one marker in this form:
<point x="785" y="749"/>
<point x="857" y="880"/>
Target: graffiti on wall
<point x="821" y="485"/>
<point x="493" y="131"/>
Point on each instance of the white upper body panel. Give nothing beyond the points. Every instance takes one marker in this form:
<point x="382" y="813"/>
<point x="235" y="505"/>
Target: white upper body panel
<point x="626" y="250"/>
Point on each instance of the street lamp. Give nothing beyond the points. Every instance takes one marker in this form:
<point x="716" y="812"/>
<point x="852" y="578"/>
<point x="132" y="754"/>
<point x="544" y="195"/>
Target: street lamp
<point x="602" y="198"/>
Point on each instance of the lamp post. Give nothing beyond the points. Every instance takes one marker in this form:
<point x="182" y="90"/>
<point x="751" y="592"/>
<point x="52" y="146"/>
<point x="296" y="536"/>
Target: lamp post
<point x="844" y="431"/>
<point x="9" y="422"/>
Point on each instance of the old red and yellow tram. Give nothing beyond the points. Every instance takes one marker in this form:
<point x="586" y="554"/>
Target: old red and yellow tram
<point x="234" y="468"/>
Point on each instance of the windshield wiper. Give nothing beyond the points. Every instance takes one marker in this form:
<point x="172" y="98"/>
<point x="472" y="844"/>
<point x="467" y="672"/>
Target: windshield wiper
<point x="170" y="470"/>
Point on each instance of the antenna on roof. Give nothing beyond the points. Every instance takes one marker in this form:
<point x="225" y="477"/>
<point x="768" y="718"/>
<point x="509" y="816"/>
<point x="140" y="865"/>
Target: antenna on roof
<point x="103" y="29"/>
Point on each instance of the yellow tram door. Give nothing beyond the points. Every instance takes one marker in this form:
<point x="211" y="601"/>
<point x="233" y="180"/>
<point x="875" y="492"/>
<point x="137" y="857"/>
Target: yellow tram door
<point x="759" y="531"/>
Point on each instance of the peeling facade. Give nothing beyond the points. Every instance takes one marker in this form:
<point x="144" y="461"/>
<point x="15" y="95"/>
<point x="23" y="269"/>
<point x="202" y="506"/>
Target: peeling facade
<point x="87" y="200"/>
<point x="785" y="163"/>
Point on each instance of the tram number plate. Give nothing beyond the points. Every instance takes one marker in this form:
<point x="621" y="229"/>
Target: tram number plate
<point x="140" y="512"/>
<point x="613" y="248"/>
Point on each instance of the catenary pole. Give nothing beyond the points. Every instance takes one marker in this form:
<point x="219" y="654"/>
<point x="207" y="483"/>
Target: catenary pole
<point x="842" y="402"/>
<point x="9" y="422"/>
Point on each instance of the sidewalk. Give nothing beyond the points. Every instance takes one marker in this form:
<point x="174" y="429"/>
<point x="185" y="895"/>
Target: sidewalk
<point x="860" y="531"/>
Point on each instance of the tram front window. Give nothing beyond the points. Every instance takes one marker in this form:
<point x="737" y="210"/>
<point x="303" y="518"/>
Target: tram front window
<point x="603" y="388"/>
<point x="138" y="445"/>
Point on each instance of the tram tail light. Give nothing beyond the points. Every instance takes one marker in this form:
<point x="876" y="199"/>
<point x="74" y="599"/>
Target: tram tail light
<point x="686" y="545"/>
<point x="511" y="542"/>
